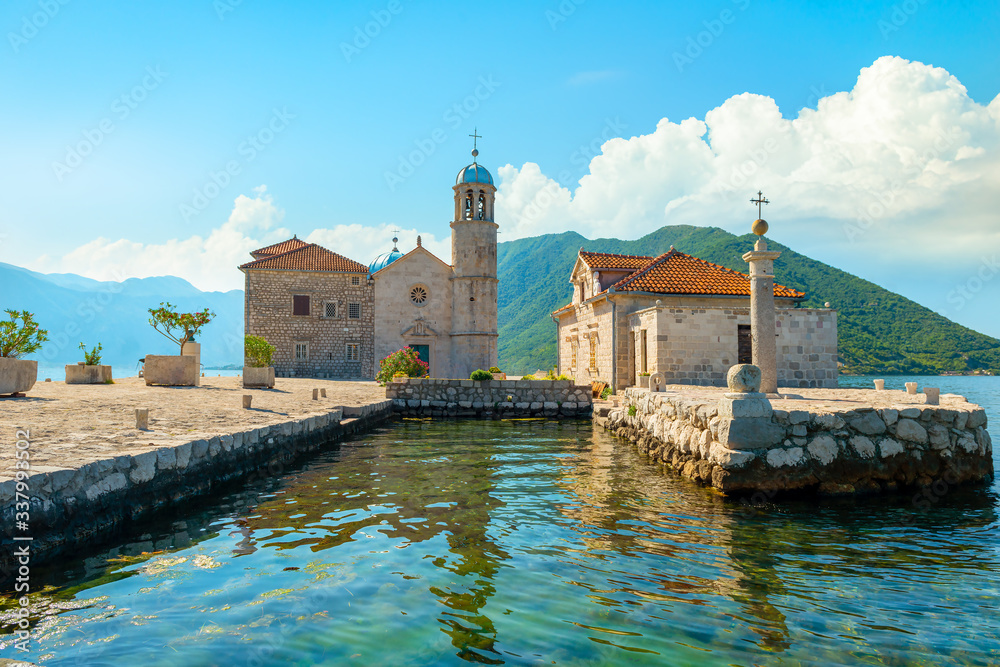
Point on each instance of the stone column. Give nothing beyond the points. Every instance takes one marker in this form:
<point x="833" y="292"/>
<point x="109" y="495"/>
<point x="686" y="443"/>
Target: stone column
<point x="765" y="349"/>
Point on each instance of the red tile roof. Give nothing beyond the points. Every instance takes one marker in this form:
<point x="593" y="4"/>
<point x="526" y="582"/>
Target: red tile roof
<point x="278" y="248"/>
<point x="606" y="260"/>
<point x="308" y="257"/>
<point x="677" y="273"/>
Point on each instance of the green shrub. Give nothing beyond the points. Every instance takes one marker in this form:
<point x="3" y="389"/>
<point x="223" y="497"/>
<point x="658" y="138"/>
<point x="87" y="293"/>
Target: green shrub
<point x="480" y="374"/>
<point x="631" y="411"/>
<point x="404" y="362"/>
<point x="92" y="358"/>
<point x="529" y="376"/>
<point x="563" y="376"/>
<point x="494" y="369"/>
<point x="644" y="375"/>
<point x="605" y="393"/>
<point x="17" y="340"/>
<point x="257" y="351"/>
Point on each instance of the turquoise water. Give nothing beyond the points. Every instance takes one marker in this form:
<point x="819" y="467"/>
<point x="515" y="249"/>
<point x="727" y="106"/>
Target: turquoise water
<point x="529" y="542"/>
<point x="58" y="373"/>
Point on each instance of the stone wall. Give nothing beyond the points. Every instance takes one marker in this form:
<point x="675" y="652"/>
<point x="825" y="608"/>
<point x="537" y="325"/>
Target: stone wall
<point x="71" y="507"/>
<point x="852" y="451"/>
<point x="400" y="322"/>
<point x="268" y="313"/>
<point x="690" y="340"/>
<point x="699" y="345"/>
<point x="432" y="397"/>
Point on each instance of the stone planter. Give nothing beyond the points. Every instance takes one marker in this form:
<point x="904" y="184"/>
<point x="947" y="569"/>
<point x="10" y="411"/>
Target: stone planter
<point x="911" y="387"/>
<point x="879" y="385"/>
<point x="644" y="381"/>
<point x="172" y="370"/>
<point x="499" y="376"/>
<point x="83" y="374"/>
<point x="258" y="377"/>
<point x="17" y="375"/>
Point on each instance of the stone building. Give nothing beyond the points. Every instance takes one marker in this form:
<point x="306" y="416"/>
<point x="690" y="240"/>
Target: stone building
<point x="330" y="316"/>
<point x="683" y="319"/>
<point x="315" y="306"/>
<point x="448" y="313"/>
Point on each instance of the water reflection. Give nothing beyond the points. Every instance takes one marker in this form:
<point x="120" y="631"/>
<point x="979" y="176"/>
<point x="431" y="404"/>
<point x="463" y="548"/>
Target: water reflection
<point x="516" y="542"/>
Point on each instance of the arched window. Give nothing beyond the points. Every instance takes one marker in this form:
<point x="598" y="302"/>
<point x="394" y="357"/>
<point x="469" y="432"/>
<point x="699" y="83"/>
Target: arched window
<point x="481" y="208"/>
<point x="467" y="215"/>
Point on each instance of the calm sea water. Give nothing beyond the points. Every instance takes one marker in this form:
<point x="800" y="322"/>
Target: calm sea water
<point x="58" y="373"/>
<point x="530" y="542"/>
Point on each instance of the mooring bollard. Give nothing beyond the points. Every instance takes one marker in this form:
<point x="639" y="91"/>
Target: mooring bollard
<point x="911" y="387"/>
<point x="879" y="385"/>
<point x="933" y="395"/>
<point x="322" y="392"/>
<point x="142" y="419"/>
<point x="315" y="394"/>
<point x="247" y="400"/>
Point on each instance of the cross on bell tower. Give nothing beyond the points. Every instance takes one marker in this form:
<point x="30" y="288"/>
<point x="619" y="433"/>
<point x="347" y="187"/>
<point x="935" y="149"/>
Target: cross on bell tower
<point x="475" y="137"/>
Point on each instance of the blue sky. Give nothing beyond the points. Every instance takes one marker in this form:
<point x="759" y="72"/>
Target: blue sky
<point x="164" y="96"/>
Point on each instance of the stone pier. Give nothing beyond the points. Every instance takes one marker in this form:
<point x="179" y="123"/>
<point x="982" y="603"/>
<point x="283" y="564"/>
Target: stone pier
<point x="830" y="441"/>
<point x="88" y="470"/>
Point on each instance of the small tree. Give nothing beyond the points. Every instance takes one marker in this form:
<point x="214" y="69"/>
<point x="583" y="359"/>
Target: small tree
<point x="401" y="362"/>
<point x="17" y="340"/>
<point x="258" y="352"/>
<point x="166" y="320"/>
<point x="479" y="374"/>
<point x="92" y="358"/>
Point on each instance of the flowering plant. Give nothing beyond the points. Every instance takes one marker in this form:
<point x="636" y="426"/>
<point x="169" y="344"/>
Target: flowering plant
<point x="405" y="362"/>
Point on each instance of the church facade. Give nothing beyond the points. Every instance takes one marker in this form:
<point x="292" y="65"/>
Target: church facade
<point x="682" y="320"/>
<point x="330" y="316"/>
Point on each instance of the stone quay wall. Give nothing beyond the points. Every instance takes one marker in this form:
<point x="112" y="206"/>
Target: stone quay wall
<point x="75" y="507"/>
<point x="834" y="453"/>
<point x="432" y="397"/>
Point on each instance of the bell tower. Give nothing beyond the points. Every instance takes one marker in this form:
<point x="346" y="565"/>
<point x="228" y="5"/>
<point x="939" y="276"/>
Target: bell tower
<point x="474" y="262"/>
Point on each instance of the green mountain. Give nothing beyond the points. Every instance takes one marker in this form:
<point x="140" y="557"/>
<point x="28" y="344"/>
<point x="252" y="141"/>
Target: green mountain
<point x="880" y="331"/>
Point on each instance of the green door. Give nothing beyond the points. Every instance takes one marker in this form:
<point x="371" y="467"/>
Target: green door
<point x="424" y="352"/>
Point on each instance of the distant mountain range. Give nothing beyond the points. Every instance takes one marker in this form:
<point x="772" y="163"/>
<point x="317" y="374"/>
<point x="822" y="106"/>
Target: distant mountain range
<point x="880" y="332"/>
<point x="75" y="309"/>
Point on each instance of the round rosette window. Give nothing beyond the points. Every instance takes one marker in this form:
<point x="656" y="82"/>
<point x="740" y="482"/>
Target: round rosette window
<point x="418" y="295"/>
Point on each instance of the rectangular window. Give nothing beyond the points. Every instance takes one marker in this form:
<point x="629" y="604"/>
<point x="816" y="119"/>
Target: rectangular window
<point x="302" y="351"/>
<point x="593" y="352"/>
<point x="300" y="305"/>
<point x="353" y="352"/>
<point x="331" y="309"/>
<point x="354" y="311"/>
<point x="355" y="280"/>
<point x="744" y="344"/>
<point x="572" y="352"/>
<point x="642" y="349"/>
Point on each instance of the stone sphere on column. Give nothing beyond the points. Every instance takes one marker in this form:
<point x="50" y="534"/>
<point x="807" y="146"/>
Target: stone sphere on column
<point x="759" y="227"/>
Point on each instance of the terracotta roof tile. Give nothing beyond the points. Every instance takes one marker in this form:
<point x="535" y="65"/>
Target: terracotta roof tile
<point x="308" y="257"/>
<point x="677" y="273"/>
<point x="606" y="260"/>
<point x="279" y="248"/>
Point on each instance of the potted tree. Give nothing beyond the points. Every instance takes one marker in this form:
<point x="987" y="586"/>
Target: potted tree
<point x="644" y="380"/>
<point x="20" y="335"/>
<point x="497" y="373"/>
<point x="90" y="370"/>
<point x="183" y="369"/>
<point x="257" y="368"/>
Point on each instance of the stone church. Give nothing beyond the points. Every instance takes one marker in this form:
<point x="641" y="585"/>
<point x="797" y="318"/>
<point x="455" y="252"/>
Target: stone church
<point x="331" y="316"/>
<point x="682" y="320"/>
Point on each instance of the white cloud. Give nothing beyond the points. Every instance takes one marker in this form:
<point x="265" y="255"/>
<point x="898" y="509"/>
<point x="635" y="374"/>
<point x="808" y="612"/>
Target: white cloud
<point x="210" y="263"/>
<point x="892" y="162"/>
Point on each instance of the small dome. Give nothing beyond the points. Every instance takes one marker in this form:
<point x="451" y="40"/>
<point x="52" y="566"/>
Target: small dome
<point x="474" y="173"/>
<point x="385" y="259"/>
